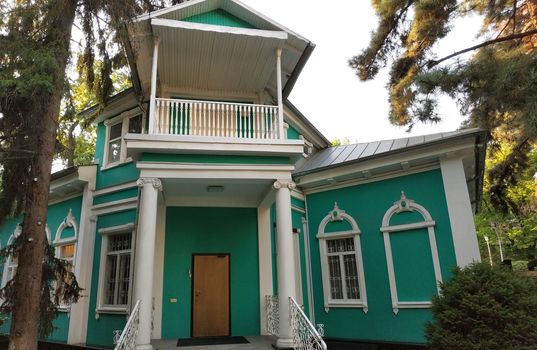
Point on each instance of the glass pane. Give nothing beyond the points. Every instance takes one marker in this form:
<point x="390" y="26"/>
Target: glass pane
<point x="110" y="287"/>
<point x="351" y="277"/>
<point x="114" y="151"/>
<point x="115" y="131"/>
<point x="67" y="252"/>
<point x="334" y="268"/>
<point x="135" y="125"/>
<point x="119" y="242"/>
<point x="124" y="273"/>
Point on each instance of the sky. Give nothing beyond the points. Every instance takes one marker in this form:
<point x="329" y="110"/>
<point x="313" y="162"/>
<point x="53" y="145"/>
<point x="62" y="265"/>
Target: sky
<point x="327" y="91"/>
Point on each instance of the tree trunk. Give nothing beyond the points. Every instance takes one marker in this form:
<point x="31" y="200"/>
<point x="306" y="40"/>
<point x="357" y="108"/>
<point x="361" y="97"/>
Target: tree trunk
<point x="27" y="283"/>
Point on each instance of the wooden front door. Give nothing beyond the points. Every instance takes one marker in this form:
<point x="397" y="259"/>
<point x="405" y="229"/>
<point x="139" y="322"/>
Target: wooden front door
<point x="210" y="296"/>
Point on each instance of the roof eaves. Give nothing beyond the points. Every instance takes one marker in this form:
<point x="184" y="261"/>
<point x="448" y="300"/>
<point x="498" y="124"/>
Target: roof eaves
<point x="478" y="133"/>
<point x="305" y="120"/>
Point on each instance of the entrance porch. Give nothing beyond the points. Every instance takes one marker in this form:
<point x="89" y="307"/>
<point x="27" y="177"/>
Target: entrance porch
<point x="224" y="215"/>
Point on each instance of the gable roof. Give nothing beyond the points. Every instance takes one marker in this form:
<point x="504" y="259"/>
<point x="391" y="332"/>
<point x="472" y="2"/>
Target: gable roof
<point x="188" y="17"/>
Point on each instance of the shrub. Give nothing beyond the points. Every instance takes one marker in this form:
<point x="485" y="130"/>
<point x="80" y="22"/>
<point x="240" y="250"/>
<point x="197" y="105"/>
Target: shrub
<point x="484" y="308"/>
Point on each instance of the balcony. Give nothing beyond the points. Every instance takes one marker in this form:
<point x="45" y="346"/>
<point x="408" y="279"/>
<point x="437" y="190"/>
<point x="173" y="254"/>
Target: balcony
<point x="211" y="127"/>
<point x="215" y="119"/>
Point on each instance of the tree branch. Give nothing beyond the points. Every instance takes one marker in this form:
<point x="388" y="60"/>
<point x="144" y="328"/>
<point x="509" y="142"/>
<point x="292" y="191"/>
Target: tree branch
<point x="433" y="63"/>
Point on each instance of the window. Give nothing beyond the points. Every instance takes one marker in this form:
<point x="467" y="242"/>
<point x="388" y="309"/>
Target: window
<point x="117" y="128"/>
<point x="342" y="269"/>
<point x="341" y="262"/>
<point x="118" y="262"/>
<point x="115" y="275"/>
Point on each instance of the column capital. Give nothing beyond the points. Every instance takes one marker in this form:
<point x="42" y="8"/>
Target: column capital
<point x="157" y="184"/>
<point x="284" y="183"/>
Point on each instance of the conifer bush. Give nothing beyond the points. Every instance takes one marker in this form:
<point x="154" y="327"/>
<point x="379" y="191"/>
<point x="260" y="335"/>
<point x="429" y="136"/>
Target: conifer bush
<point x="484" y="308"/>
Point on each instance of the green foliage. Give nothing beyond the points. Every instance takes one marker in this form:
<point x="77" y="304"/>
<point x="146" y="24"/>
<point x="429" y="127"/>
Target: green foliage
<point x="495" y="87"/>
<point x="59" y="286"/>
<point x="516" y="227"/>
<point x="484" y="308"/>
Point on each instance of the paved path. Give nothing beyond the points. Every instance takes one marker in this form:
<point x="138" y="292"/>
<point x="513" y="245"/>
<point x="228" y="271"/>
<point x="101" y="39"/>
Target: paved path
<point x="256" y="343"/>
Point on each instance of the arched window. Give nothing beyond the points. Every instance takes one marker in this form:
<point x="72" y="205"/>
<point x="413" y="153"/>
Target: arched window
<point x="425" y="224"/>
<point x="65" y="240"/>
<point x="341" y="261"/>
<point x="12" y="262"/>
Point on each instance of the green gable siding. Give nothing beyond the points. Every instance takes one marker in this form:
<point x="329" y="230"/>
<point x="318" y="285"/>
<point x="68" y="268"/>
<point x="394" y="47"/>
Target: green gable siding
<point x="210" y="230"/>
<point x="367" y="204"/>
<point x="115" y="196"/>
<point x="219" y="17"/>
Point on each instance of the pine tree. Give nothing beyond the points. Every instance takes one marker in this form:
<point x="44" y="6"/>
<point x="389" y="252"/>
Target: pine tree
<point x="495" y="87"/>
<point x="35" y="38"/>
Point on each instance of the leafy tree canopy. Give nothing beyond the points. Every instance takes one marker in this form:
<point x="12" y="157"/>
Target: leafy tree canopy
<point x="495" y="87"/>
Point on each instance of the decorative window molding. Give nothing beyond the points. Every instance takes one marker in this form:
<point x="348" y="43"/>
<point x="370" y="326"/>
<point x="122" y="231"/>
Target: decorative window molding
<point x="116" y="269"/>
<point x="10" y="267"/>
<point x="66" y="248"/>
<point x="341" y="262"/>
<point x="407" y="205"/>
<point x="115" y="152"/>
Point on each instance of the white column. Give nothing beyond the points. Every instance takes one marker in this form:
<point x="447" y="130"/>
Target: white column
<point x="153" y="87"/>
<point x="285" y="260"/>
<point x="279" y="88"/>
<point x="460" y="211"/>
<point x="265" y="262"/>
<point x="144" y="260"/>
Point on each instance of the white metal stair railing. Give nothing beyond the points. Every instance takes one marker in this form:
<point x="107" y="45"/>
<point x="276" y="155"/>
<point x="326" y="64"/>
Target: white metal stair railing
<point x="273" y="314"/>
<point x="126" y="340"/>
<point x="305" y="336"/>
<point x="210" y="118"/>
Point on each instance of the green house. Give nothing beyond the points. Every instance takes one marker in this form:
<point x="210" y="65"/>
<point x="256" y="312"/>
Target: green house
<point x="211" y="194"/>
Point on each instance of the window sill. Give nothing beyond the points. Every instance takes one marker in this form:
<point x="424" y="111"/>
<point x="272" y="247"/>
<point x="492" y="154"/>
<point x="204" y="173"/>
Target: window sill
<point x="120" y="310"/>
<point x="116" y="164"/>
<point x="346" y="304"/>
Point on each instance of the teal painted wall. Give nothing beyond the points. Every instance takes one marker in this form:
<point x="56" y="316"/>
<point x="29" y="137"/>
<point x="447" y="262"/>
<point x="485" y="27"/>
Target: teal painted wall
<point x="219" y="17"/>
<point x="220" y="159"/>
<point x="56" y="213"/>
<point x="367" y="204"/>
<point x="129" y="193"/>
<point x="100" y="331"/>
<point x="210" y="230"/>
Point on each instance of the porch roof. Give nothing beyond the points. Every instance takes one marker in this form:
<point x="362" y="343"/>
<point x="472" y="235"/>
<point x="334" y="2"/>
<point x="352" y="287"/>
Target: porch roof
<point x="191" y="53"/>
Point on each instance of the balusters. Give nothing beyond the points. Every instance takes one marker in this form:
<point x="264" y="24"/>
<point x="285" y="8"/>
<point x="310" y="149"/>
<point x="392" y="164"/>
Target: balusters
<point x="219" y="119"/>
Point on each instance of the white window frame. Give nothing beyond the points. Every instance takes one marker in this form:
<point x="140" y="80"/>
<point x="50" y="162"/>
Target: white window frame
<point x="9" y="261"/>
<point x="407" y="205"/>
<point x="106" y="233"/>
<point x="68" y="222"/>
<point x="338" y="215"/>
<point x="123" y="118"/>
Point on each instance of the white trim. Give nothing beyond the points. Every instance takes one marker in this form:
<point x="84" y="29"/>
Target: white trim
<point x="106" y="232"/>
<point x="460" y="212"/>
<point x="407" y="205"/>
<point x="68" y="222"/>
<point x="119" y="202"/>
<point x="214" y="171"/>
<point x="170" y="23"/>
<point x="112" y="230"/>
<point x="298" y="195"/>
<point x="299" y="210"/>
<point x="265" y="263"/>
<point x="124" y="118"/>
<point x="298" y="269"/>
<point x="336" y="214"/>
<point x="64" y="199"/>
<point x="114" y="189"/>
<point x="309" y="279"/>
<point x="78" y="318"/>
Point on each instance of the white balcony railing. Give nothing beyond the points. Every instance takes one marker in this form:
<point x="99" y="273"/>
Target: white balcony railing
<point x="220" y="119"/>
